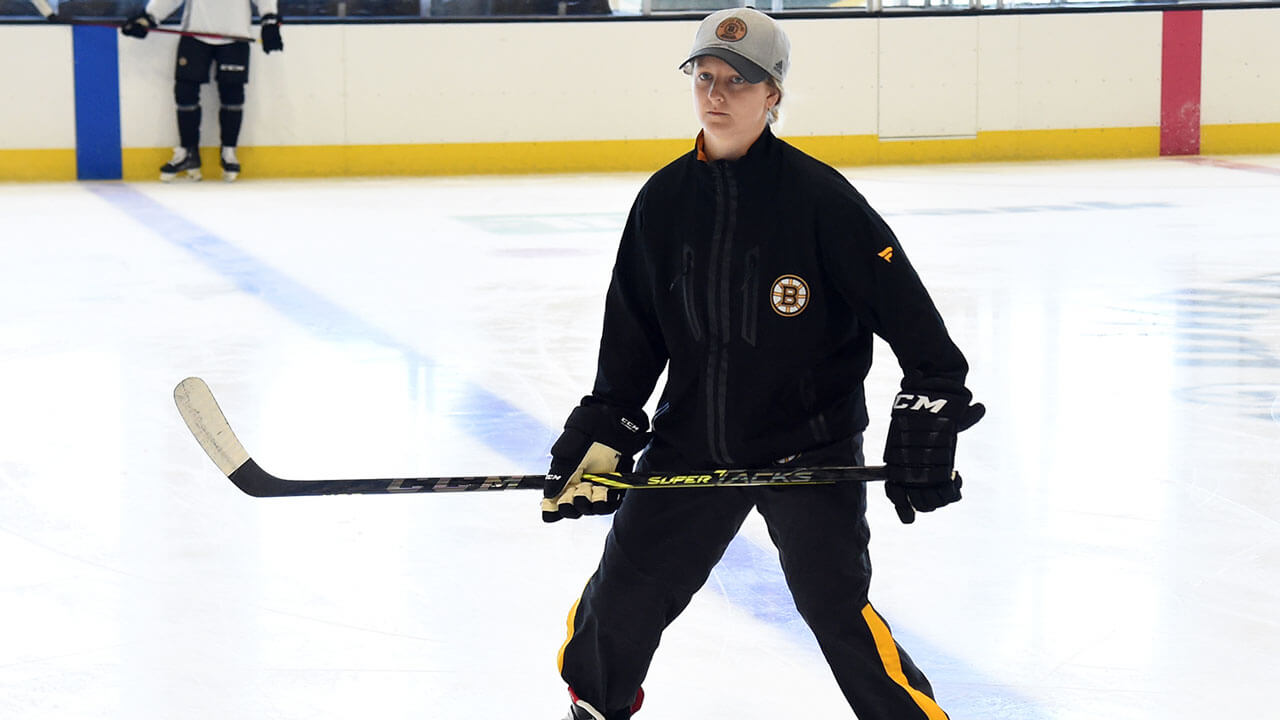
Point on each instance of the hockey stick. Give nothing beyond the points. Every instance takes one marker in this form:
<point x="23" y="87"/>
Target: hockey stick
<point x="189" y="33"/>
<point x="204" y="418"/>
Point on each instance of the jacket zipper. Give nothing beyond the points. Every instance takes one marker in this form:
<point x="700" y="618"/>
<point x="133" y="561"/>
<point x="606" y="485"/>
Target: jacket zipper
<point x="719" y="280"/>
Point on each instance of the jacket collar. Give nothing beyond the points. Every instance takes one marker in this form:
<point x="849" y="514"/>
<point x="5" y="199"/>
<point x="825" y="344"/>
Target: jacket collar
<point x="756" y="154"/>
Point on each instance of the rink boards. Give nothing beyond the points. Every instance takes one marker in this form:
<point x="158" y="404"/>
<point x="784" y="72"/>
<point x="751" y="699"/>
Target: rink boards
<point x="593" y="95"/>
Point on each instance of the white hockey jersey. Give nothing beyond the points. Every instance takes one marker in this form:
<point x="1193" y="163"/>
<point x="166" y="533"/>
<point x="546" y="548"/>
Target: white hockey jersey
<point x="224" y="17"/>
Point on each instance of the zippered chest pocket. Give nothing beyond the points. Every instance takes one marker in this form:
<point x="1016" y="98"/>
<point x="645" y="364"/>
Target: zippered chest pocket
<point x="684" y="287"/>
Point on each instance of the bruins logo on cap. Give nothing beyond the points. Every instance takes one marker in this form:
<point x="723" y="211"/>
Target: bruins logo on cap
<point x="789" y="295"/>
<point x="731" y="30"/>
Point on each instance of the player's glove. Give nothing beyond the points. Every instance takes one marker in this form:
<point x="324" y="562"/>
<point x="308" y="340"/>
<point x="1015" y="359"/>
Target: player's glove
<point x="920" y="451"/>
<point x="271" y="33"/>
<point x="139" y="25"/>
<point x="596" y="439"/>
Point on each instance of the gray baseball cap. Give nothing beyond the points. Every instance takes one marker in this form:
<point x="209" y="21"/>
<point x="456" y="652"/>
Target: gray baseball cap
<point x="747" y="39"/>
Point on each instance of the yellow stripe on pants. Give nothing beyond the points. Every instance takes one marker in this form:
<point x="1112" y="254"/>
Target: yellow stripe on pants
<point x="888" y="650"/>
<point x="573" y="614"/>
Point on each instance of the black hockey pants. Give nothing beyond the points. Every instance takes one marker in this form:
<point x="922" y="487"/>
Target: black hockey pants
<point x="663" y="546"/>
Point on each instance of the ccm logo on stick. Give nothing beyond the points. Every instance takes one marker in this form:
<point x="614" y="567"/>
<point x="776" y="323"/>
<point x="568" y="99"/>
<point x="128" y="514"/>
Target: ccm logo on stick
<point x="918" y="402"/>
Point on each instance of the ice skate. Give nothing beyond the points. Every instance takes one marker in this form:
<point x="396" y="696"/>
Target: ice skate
<point x="185" y="160"/>
<point x="582" y="710"/>
<point x="578" y="712"/>
<point x="230" y="165"/>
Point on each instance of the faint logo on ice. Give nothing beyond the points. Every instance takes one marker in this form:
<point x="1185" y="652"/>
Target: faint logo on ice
<point x="1223" y="337"/>
<point x="1232" y="324"/>
<point x="549" y="237"/>
<point x="1067" y="207"/>
<point x="533" y="224"/>
<point x="1254" y="400"/>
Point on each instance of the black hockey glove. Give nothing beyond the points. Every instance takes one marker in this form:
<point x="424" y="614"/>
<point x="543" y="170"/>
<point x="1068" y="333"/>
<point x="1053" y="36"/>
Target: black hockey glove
<point x="271" y="33"/>
<point x="920" y="451"/>
<point x="596" y="439"/>
<point x="138" y="26"/>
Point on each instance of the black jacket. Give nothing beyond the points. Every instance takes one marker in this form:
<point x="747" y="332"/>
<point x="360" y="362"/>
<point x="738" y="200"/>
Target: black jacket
<point x="758" y="284"/>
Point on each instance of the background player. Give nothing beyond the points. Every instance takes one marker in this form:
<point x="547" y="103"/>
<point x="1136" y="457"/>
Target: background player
<point x="195" y="56"/>
<point x="756" y="276"/>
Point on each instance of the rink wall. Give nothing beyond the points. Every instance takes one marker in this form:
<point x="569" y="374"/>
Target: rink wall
<point x="601" y="95"/>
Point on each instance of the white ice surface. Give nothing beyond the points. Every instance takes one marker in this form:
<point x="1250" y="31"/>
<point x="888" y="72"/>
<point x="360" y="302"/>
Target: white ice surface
<point x="1116" y="556"/>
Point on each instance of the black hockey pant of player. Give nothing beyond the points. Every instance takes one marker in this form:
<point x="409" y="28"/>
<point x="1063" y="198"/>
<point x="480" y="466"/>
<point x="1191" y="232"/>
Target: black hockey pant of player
<point x="195" y="58"/>
<point x="662" y="548"/>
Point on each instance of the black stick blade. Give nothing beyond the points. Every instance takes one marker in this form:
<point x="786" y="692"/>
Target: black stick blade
<point x="255" y="481"/>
